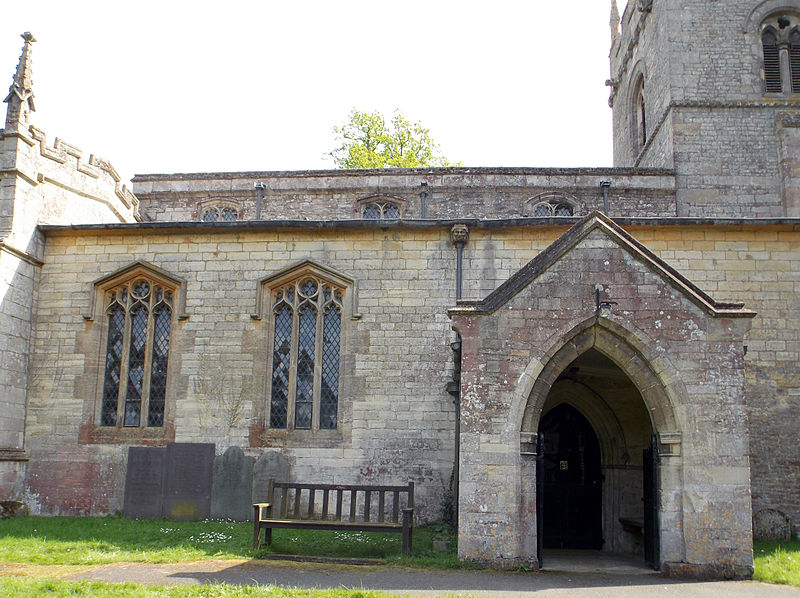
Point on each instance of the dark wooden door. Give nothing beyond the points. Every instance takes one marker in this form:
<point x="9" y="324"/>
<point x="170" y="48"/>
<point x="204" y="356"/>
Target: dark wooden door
<point x="571" y="481"/>
<point x="650" y="487"/>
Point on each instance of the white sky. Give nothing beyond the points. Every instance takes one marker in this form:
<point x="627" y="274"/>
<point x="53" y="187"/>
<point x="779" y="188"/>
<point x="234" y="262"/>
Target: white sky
<point x="173" y="86"/>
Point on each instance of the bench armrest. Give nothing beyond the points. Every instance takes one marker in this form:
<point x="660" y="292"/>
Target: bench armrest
<point x="258" y="506"/>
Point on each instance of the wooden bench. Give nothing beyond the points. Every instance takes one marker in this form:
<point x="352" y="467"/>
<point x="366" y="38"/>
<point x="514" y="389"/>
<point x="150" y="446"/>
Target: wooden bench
<point x="337" y="507"/>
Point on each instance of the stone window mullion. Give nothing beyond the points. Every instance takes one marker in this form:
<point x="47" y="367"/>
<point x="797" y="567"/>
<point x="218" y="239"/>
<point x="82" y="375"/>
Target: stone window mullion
<point x="786" y="71"/>
<point x="290" y="407"/>
<point x="124" y="366"/>
<point x="148" y="358"/>
<point x="318" y="356"/>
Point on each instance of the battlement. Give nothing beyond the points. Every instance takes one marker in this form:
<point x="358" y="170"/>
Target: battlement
<point x="70" y="156"/>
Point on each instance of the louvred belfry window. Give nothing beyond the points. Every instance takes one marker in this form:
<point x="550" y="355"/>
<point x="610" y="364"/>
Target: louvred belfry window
<point x="307" y="319"/>
<point x="139" y="319"/>
<point x="794" y="59"/>
<point x="772" y="64"/>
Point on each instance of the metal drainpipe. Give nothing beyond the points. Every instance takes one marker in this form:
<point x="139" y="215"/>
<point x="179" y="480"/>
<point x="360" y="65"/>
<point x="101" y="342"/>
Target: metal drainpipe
<point x="455" y="390"/>
<point x="605" y="185"/>
<point x="459" y="235"/>
<point x="260" y="188"/>
<point x="423" y="199"/>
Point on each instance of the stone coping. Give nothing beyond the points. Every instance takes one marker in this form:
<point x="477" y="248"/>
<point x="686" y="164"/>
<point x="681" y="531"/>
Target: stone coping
<point x="391" y="172"/>
<point x="245" y="225"/>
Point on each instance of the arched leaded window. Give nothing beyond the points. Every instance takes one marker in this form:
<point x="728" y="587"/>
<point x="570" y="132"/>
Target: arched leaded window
<point x="550" y="204"/>
<point x="220" y="214"/>
<point x="139" y="323"/>
<point x="306" y="343"/>
<point x="380" y="208"/>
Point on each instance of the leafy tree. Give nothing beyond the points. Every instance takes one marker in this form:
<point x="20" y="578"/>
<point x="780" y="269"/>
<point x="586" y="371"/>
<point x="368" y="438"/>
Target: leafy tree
<point x="366" y="140"/>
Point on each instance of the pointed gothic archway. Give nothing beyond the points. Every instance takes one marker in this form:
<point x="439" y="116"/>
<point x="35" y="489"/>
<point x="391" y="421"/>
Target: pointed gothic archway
<point x="594" y="421"/>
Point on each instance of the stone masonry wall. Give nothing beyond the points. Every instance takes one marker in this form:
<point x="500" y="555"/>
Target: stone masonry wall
<point x="397" y="420"/>
<point x="451" y="193"/>
<point x="399" y="347"/>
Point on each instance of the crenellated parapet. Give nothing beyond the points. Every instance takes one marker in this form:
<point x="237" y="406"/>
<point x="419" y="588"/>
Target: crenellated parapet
<point x="70" y="156"/>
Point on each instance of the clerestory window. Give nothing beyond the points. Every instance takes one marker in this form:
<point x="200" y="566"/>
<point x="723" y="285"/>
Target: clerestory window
<point x="380" y="209"/>
<point x="139" y="320"/>
<point x="780" y="44"/>
<point x="219" y="213"/>
<point x="549" y="205"/>
<point x="306" y="342"/>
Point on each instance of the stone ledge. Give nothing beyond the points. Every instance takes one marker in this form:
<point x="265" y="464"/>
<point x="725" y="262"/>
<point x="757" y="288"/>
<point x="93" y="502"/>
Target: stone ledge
<point x="13" y="454"/>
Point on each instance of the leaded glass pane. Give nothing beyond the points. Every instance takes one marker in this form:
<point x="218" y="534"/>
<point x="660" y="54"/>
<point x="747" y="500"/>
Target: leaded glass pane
<point x="309" y="288"/>
<point x="371" y="212"/>
<point x="329" y="397"/>
<point x="210" y="215"/>
<point x="229" y="214"/>
<point x="141" y="288"/>
<point x="542" y="210"/>
<point x="133" y="397"/>
<point x="114" y="346"/>
<point x="279" y="400"/>
<point x="563" y="210"/>
<point x="391" y="211"/>
<point x="306" y="345"/>
<point x="158" y="371"/>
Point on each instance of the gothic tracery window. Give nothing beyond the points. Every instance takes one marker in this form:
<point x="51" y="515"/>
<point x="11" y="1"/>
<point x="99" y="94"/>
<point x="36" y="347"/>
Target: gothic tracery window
<point x="307" y="325"/>
<point x="139" y="321"/>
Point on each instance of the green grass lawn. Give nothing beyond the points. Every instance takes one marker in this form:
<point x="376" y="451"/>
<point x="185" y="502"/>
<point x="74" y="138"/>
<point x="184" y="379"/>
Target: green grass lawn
<point x="21" y="587"/>
<point x="101" y="540"/>
<point x="777" y="562"/>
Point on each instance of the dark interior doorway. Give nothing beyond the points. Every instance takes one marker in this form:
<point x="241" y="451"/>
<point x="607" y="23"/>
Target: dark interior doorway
<point x="571" y="481"/>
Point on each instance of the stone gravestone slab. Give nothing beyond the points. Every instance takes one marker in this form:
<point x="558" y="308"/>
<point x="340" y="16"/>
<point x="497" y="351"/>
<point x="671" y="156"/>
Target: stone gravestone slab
<point x="188" y="484"/>
<point x="268" y="465"/>
<point x="232" y="486"/>
<point x="144" y="482"/>
<point x="770" y="524"/>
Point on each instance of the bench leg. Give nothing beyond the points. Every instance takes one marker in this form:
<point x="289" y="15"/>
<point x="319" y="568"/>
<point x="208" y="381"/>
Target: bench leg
<point x="408" y="523"/>
<point x="256" y="528"/>
<point x="268" y="536"/>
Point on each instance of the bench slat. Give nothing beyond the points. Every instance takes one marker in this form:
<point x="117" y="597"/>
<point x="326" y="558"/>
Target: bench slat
<point x="396" y="507"/>
<point x="339" y="493"/>
<point x="325" y="503"/>
<point x="381" y="504"/>
<point x="353" y="504"/>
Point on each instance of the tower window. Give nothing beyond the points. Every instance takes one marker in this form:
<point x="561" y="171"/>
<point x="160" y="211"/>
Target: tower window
<point x="772" y="63"/>
<point x="639" y="117"/>
<point x="780" y="44"/>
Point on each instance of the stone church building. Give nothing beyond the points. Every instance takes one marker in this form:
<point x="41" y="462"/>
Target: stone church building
<point x="595" y="358"/>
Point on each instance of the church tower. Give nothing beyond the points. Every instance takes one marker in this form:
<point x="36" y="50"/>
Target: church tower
<point x="711" y="90"/>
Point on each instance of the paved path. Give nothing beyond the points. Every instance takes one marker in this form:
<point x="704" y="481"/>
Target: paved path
<point x="426" y="582"/>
